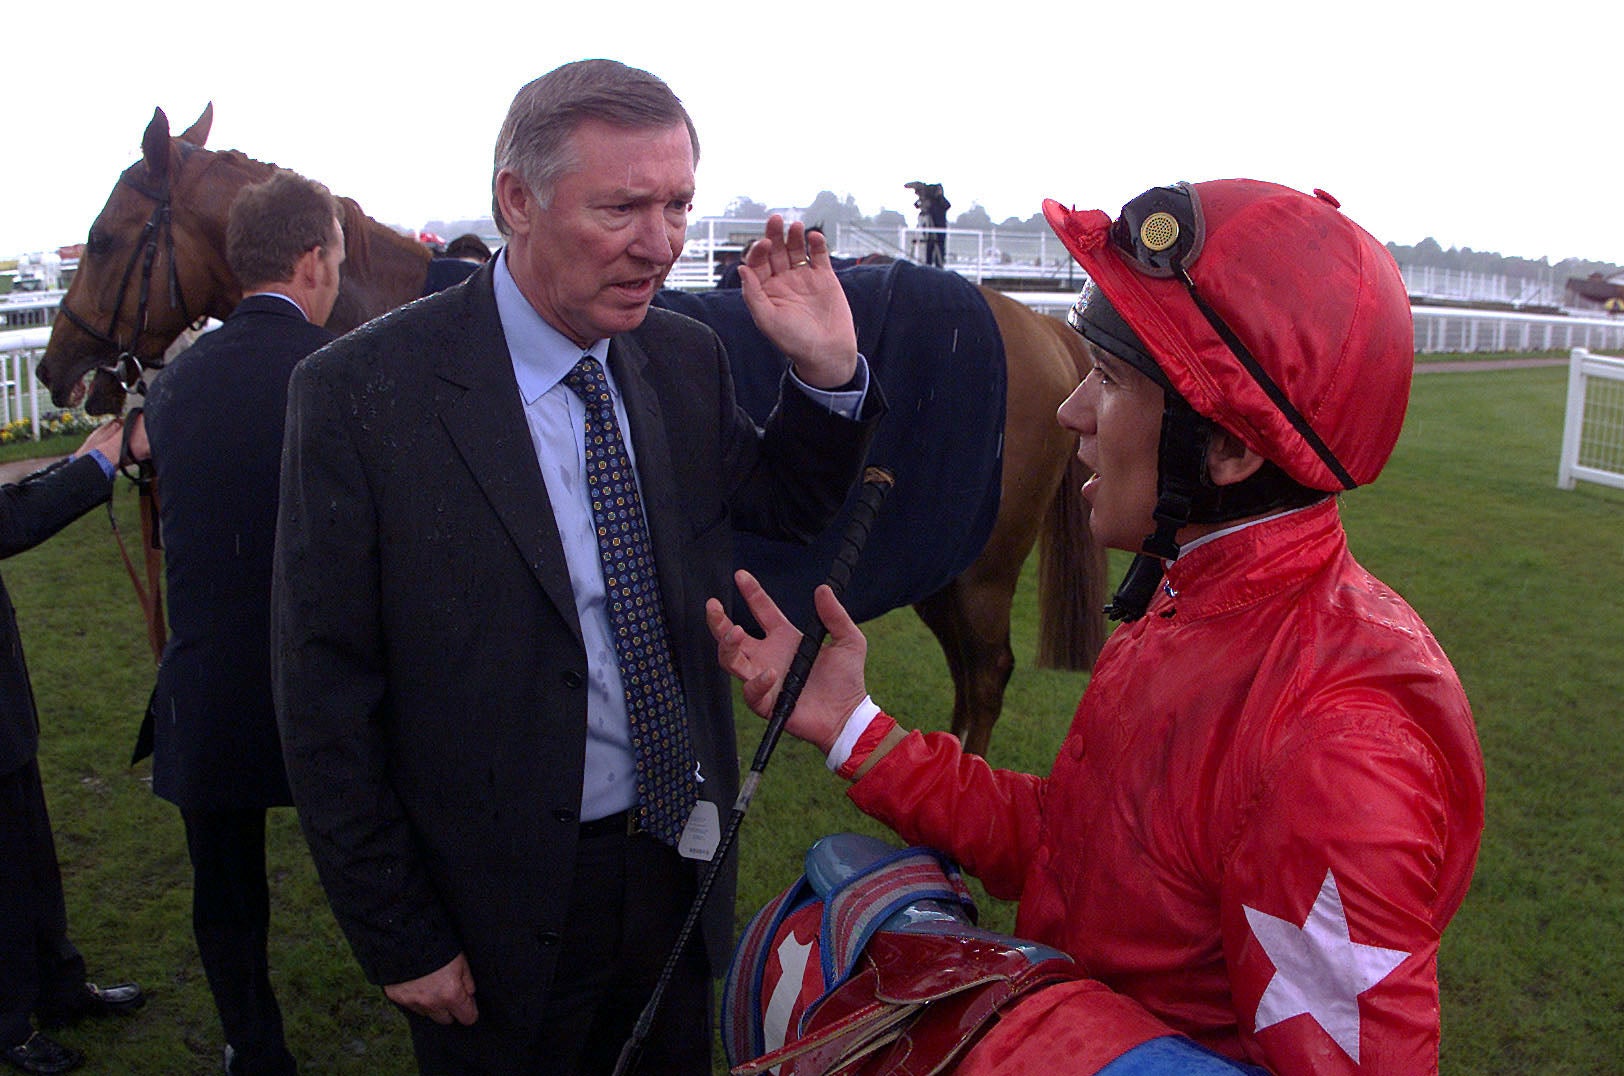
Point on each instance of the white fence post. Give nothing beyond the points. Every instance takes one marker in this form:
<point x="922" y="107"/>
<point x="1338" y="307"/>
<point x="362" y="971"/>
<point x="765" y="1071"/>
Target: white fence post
<point x="1604" y="449"/>
<point x="20" y="351"/>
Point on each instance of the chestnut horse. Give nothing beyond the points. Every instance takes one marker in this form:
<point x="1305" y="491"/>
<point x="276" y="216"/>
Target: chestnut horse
<point x="155" y="263"/>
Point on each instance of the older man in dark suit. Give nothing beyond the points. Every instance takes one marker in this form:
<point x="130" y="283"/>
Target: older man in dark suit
<point x="503" y="508"/>
<point x="215" y="420"/>
<point x="41" y="972"/>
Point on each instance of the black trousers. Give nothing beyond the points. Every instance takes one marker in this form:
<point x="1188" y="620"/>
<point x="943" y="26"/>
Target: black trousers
<point x="631" y="895"/>
<point x="231" y="915"/>
<point x="39" y="967"/>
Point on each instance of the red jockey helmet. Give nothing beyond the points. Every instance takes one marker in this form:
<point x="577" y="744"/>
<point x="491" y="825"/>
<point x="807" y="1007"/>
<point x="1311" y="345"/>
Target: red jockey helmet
<point x="1268" y="310"/>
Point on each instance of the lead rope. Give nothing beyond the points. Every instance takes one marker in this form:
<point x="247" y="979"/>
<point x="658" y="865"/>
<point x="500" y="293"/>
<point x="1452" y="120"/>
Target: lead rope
<point x="149" y="595"/>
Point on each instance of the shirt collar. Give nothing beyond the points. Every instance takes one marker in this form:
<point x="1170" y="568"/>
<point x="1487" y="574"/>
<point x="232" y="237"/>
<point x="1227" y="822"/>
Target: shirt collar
<point x="285" y="298"/>
<point x="1215" y="535"/>
<point x="541" y="354"/>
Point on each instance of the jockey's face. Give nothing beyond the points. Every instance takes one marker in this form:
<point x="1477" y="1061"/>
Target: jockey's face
<point x="591" y="260"/>
<point x="1117" y="415"/>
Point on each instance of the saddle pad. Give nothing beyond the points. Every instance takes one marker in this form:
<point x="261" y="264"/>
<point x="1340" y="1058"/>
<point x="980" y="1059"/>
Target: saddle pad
<point x="934" y="349"/>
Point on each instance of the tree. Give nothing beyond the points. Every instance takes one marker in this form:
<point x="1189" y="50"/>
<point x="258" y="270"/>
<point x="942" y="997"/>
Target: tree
<point x="745" y="208"/>
<point x="828" y="211"/>
<point x="975" y="217"/>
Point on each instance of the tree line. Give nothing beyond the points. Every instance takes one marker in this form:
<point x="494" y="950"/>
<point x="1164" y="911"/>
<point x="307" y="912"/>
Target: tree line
<point x="829" y="210"/>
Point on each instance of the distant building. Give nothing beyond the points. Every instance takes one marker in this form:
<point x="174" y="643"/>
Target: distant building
<point x="1595" y="292"/>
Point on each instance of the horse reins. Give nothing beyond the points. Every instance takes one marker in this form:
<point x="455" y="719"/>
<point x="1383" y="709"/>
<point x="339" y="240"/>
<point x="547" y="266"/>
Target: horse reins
<point x="128" y="367"/>
<point x="150" y="595"/>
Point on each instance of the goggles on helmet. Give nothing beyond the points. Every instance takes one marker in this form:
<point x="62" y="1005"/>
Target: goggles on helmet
<point x="1161" y="231"/>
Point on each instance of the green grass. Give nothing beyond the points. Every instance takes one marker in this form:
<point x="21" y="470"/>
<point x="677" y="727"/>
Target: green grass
<point x="45" y="447"/>
<point x="1488" y="356"/>
<point x="1518" y="579"/>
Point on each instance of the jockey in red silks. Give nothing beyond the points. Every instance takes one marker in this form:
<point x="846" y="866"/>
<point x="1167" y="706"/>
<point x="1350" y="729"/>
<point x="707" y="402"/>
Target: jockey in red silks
<point x="1269" y="804"/>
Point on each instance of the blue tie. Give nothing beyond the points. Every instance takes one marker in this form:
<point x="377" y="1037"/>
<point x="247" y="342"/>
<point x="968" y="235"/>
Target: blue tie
<point x="666" y="783"/>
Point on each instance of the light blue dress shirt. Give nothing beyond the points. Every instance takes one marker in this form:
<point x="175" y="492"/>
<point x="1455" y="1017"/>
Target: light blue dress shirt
<point x="557" y="418"/>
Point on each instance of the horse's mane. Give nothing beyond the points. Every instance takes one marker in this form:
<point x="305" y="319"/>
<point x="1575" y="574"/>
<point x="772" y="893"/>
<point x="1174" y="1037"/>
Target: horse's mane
<point x="357" y="243"/>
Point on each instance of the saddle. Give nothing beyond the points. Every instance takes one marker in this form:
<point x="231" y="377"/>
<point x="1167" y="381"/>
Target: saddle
<point x="871" y="965"/>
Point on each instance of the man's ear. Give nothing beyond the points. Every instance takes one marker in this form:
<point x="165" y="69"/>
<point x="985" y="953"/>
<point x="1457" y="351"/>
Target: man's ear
<point x="307" y="270"/>
<point x="1229" y="460"/>
<point x="517" y="202"/>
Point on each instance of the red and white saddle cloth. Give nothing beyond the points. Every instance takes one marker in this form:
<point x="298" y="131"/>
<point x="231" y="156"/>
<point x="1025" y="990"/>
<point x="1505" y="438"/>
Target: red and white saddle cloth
<point x="871" y="965"/>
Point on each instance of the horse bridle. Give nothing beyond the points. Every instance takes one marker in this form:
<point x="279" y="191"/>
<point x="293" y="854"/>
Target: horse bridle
<point x="128" y="367"/>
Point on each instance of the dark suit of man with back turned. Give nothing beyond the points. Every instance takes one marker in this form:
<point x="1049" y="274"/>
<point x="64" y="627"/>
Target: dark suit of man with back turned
<point x="215" y="422"/>
<point x="492" y="768"/>
<point x="41" y="972"/>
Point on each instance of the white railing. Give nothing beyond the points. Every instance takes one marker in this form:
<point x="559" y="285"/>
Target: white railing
<point x="1452" y="329"/>
<point x="1593" y="430"/>
<point x="1432" y="282"/>
<point x="20" y="352"/>
<point x="972" y="253"/>
<point x="29" y="310"/>
<point x="1457" y="329"/>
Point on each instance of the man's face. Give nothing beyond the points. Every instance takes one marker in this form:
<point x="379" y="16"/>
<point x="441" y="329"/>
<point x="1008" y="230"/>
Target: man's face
<point x="591" y="261"/>
<point x="331" y="257"/>
<point x="1117" y="415"/>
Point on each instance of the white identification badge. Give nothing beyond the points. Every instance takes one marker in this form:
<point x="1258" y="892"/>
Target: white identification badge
<point x="702" y="833"/>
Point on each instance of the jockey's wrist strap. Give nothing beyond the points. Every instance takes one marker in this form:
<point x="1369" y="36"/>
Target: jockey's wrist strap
<point x="857" y="723"/>
<point x="879" y="733"/>
<point x="863" y="758"/>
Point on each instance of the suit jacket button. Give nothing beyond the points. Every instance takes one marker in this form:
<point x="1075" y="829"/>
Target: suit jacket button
<point x="573" y="678"/>
<point x="548" y="937"/>
<point x="564" y="814"/>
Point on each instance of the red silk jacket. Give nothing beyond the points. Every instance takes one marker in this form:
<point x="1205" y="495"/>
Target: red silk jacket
<point x="1267" y="809"/>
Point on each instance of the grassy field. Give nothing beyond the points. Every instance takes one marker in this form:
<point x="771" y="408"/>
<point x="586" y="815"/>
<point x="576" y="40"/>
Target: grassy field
<point x="1518" y="579"/>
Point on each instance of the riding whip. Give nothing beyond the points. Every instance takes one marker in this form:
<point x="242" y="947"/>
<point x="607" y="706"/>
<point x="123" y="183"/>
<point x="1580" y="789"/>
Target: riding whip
<point x="877" y="482"/>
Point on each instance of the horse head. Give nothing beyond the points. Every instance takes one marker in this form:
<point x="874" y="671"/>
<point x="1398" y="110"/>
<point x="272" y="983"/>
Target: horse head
<point x="153" y="264"/>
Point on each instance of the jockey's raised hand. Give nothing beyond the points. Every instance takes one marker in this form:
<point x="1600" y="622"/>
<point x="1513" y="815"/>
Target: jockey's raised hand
<point x="797" y="302"/>
<point x="833" y="689"/>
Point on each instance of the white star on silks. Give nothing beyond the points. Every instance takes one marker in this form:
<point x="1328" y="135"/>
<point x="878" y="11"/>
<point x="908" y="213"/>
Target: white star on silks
<point x="1319" y="969"/>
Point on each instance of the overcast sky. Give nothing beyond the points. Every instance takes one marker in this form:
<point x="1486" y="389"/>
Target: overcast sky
<point x="1479" y="126"/>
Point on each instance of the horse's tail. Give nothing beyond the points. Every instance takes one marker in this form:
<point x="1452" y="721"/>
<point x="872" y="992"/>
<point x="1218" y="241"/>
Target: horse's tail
<point x="1071" y="566"/>
<point x="1071" y="580"/>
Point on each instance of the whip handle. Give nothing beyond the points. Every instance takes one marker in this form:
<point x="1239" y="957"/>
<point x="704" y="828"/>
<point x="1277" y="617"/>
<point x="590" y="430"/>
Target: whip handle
<point x="877" y="482"/>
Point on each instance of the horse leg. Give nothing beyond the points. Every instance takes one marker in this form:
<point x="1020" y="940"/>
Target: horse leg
<point x="970" y="618"/>
<point x="937" y="613"/>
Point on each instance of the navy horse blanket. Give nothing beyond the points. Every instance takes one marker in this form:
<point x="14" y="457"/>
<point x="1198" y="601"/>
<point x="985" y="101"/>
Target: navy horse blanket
<point x="933" y="347"/>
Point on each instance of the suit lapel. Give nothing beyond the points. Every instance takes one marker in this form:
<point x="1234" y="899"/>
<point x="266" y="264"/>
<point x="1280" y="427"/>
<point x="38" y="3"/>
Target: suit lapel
<point x="480" y="407"/>
<point x="657" y="480"/>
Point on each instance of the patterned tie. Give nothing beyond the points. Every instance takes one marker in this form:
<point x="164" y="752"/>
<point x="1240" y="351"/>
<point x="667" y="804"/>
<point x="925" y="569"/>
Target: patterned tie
<point x="666" y="785"/>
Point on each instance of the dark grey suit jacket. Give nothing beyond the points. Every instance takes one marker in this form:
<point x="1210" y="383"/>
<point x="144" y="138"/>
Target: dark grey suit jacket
<point x="214" y="418"/>
<point x="30" y="512"/>
<point x="429" y="669"/>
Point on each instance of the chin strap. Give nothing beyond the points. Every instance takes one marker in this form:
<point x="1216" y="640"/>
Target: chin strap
<point x="1181" y="459"/>
<point x="1138" y="587"/>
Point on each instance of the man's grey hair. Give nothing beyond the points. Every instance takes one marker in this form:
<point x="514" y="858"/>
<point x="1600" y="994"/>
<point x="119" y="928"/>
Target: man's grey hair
<point x="534" y="143"/>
